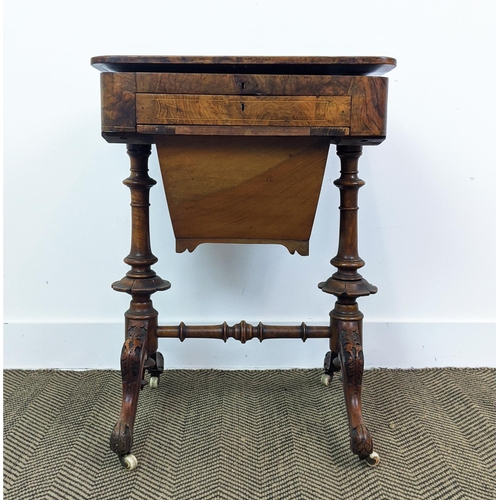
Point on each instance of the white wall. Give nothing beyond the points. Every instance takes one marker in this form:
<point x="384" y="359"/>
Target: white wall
<point x="427" y="210"/>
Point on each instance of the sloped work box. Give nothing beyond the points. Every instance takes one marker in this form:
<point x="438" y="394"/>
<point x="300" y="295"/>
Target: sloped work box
<point x="234" y="189"/>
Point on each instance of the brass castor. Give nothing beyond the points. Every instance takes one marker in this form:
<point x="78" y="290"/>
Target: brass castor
<point x="326" y="379"/>
<point x="153" y="382"/>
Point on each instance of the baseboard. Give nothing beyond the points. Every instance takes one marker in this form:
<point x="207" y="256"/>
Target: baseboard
<point x="79" y="346"/>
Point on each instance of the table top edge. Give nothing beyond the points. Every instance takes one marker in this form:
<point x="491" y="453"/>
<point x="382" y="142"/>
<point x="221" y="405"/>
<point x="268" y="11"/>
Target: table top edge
<point x="342" y="65"/>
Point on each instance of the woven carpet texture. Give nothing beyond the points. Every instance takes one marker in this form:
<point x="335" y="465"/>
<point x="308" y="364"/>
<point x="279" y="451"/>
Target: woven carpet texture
<point x="250" y="435"/>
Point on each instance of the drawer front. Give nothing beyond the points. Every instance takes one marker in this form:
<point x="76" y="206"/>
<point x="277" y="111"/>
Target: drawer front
<point x="293" y="111"/>
<point x="243" y="84"/>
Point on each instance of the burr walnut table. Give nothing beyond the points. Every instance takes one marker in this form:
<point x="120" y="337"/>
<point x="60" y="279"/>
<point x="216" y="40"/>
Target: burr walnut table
<point x="242" y="144"/>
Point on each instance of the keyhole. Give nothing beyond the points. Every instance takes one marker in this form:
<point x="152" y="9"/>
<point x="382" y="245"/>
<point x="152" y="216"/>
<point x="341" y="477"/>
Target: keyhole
<point x="242" y="85"/>
<point x="242" y="106"/>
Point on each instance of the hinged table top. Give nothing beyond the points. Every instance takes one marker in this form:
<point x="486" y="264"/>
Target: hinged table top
<point x="354" y="66"/>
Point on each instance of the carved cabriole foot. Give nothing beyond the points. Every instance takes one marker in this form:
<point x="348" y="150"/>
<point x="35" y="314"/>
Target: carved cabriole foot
<point x="352" y="363"/>
<point x="141" y="322"/>
<point x="132" y="367"/>
<point x="347" y="322"/>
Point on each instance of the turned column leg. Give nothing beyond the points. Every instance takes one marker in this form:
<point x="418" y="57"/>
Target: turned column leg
<point x="141" y="323"/>
<point x="346" y="351"/>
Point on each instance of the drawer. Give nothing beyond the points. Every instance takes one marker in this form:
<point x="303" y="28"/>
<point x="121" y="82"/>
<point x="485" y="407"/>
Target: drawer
<point x="293" y="111"/>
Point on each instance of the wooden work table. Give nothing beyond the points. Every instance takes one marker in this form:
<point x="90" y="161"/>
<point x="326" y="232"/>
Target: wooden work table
<point x="242" y="144"/>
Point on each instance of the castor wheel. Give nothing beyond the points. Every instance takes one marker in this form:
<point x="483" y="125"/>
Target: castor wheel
<point x="373" y="459"/>
<point x="326" y="379"/>
<point x="155" y="369"/>
<point x="336" y="364"/>
<point x="129" y="462"/>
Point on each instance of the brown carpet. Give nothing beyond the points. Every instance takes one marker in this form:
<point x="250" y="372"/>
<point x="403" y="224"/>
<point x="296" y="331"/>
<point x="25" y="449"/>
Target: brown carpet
<point x="251" y="435"/>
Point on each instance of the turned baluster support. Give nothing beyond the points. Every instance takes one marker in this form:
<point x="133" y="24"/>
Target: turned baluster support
<point x="346" y="320"/>
<point x="141" y="319"/>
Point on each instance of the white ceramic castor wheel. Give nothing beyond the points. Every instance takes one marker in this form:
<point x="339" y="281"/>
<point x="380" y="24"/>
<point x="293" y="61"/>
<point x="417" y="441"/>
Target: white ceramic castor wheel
<point x="153" y="382"/>
<point x="373" y="460"/>
<point x="326" y="379"/>
<point x="129" y="462"/>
